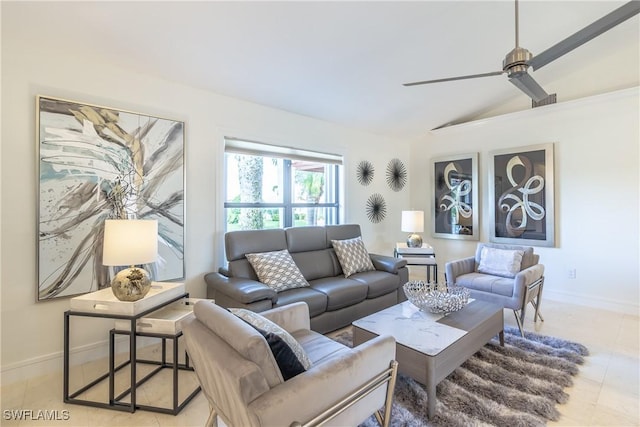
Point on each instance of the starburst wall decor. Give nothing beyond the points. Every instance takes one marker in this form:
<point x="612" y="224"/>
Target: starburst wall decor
<point x="396" y="175"/>
<point x="364" y="172"/>
<point x="376" y="208"/>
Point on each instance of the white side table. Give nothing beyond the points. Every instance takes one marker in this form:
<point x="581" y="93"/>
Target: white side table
<point x="103" y="304"/>
<point x="424" y="255"/>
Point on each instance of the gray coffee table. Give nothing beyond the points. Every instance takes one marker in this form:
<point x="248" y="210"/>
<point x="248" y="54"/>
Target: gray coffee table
<point x="431" y="346"/>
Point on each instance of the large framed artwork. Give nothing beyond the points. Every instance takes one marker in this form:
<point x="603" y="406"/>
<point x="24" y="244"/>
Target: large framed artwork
<point x="521" y="185"/>
<point x="97" y="163"/>
<point x="455" y="208"/>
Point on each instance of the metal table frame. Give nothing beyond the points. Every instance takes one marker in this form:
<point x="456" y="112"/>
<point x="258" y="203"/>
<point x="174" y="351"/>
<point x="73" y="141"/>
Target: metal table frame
<point x="114" y="402"/>
<point x="412" y="258"/>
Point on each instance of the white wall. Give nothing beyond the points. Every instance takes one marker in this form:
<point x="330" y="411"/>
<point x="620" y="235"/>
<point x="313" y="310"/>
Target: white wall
<point x="596" y="192"/>
<point x="32" y="332"/>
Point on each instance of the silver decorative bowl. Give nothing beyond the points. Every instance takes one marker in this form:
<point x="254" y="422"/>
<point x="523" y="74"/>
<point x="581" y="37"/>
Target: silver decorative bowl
<point x="436" y="298"/>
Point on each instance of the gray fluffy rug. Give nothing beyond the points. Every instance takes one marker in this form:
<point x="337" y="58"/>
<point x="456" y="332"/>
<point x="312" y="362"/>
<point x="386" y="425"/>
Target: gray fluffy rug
<point x="516" y="385"/>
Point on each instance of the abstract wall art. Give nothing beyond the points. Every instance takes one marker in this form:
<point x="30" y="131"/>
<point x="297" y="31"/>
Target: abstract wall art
<point x="97" y="163"/>
<point x="455" y="208"/>
<point x="521" y="185"/>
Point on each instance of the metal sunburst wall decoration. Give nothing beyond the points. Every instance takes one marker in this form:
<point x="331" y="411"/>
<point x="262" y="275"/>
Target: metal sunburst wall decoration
<point x="364" y="172"/>
<point x="376" y="208"/>
<point x="396" y="175"/>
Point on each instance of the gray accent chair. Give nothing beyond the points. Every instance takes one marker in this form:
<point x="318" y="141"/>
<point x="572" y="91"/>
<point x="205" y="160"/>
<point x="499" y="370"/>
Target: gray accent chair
<point x="513" y="293"/>
<point x="243" y="384"/>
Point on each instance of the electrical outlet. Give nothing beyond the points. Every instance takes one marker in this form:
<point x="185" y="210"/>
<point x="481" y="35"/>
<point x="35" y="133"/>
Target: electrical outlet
<point x="571" y="273"/>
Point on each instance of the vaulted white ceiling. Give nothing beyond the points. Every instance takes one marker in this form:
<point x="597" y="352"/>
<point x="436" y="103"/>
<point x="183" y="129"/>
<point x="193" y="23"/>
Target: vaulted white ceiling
<point x="344" y="62"/>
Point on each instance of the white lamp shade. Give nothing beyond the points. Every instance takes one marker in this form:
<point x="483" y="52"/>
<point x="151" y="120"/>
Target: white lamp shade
<point x="412" y="221"/>
<point x="130" y="242"/>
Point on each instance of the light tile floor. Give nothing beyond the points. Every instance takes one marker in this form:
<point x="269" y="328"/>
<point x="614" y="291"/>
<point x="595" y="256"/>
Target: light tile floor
<point x="605" y="392"/>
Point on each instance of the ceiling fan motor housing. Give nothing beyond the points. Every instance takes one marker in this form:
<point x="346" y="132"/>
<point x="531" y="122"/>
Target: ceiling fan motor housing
<point x="516" y="61"/>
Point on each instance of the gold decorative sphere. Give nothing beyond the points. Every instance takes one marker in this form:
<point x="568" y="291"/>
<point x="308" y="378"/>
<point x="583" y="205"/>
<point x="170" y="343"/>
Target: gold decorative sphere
<point x="131" y="284"/>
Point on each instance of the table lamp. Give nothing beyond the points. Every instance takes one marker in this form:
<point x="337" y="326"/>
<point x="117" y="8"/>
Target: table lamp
<point x="413" y="222"/>
<point x="130" y="242"/>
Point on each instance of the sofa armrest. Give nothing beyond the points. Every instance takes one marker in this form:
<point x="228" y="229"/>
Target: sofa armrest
<point x="387" y="263"/>
<point x="291" y="317"/>
<point x="311" y="392"/>
<point x="456" y="268"/>
<point x="245" y="291"/>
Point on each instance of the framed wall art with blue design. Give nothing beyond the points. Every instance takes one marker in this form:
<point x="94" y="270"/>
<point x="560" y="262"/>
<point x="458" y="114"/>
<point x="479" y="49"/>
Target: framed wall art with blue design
<point x="97" y="163"/>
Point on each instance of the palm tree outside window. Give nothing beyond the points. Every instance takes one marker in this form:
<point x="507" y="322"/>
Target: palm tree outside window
<point x="266" y="188"/>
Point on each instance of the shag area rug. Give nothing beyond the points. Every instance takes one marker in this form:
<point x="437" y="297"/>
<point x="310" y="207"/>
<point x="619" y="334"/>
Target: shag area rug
<point x="515" y="385"/>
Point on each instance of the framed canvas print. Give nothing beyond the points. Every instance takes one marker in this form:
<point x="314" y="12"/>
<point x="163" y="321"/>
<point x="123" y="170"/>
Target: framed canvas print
<point x="455" y="208"/>
<point x="97" y="163"/>
<point x="521" y="193"/>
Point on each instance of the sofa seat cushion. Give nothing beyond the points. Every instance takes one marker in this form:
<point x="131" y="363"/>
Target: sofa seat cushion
<point x="379" y="282"/>
<point x="340" y="292"/>
<point x="487" y="283"/>
<point x="318" y="347"/>
<point x="317" y="301"/>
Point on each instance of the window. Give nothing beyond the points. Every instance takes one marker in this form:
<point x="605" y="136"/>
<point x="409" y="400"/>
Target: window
<point x="275" y="187"/>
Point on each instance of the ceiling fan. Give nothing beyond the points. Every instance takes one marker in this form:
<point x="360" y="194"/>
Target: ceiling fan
<point x="518" y="61"/>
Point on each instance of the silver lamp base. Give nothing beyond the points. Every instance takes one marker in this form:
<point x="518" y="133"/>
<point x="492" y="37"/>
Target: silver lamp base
<point x="131" y="284"/>
<point x="414" y="241"/>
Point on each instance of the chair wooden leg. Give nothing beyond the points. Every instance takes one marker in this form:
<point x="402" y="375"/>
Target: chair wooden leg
<point x="212" y="421"/>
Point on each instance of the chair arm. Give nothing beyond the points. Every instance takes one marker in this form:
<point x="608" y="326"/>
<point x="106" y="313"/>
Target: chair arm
<point x="526" y="277"/>
<point x="312" y="392"/>
<point x="387" y="263"/>
<point x="291" y="317"/>
<point x="245" y="291"/>
<point x="456" y="268"/>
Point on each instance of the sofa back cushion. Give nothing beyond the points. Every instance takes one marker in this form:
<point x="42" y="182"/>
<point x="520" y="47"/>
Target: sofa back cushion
<point x="311" y="249"/>
<point x="241" y="242"/>
<point x="241" y="336"/>
<point x="342" y="232"/>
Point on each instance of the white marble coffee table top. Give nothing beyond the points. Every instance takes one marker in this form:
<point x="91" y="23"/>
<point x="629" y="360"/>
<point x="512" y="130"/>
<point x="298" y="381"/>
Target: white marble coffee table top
<point x="412" y="328"/>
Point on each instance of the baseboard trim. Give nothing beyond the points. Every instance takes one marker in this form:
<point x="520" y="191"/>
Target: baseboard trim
<point x="52" y="363"/>
<point x="588" y="301"/>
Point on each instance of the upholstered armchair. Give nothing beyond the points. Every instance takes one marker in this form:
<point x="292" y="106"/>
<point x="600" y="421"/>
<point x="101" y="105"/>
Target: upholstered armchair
<point x="245" y="386"/>
<point x="508" y="275"/>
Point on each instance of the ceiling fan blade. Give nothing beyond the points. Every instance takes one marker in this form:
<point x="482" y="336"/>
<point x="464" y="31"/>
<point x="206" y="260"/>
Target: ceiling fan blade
<point x="589" y="32"/>
<point x="450" y="79"/>
<point x="528" y="85"/>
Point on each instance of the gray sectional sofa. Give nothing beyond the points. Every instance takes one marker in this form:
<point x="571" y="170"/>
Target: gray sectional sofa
<point x="334" y="301"/>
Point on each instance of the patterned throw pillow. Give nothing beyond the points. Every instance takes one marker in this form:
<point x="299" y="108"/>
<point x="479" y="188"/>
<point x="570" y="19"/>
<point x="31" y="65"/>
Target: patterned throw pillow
<point x="277" y="338"/>
<point x="277" y="270"/>
<point x="353" y="256"/>
<point x="500" y="262"/>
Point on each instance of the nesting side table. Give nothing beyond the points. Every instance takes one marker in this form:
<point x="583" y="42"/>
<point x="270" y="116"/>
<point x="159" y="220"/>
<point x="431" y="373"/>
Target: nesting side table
<point x="424" y="255"/>
<point x="103" y="304"/>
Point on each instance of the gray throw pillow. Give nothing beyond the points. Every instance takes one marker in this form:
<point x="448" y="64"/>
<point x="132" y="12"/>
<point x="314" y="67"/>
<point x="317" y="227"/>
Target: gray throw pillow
<point x="353" y="256"/>
<point x="277" y="270"/>
<point x="266" y="325"/>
